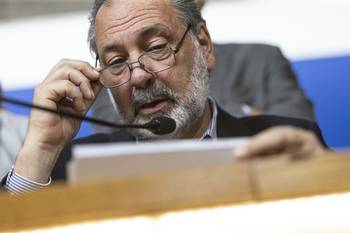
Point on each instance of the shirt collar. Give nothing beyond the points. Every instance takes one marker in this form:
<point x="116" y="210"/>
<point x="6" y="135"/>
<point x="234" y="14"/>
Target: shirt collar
<point x="210" y="133"/>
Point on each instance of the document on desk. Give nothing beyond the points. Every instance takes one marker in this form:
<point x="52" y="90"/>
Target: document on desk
<point x="93" y="162"/>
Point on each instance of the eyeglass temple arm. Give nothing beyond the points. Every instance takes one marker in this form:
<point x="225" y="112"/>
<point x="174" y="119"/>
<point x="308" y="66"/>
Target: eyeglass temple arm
<point x="178" y="46"/>
<point x="96" y="60"/>
<point x="101" y="69"/>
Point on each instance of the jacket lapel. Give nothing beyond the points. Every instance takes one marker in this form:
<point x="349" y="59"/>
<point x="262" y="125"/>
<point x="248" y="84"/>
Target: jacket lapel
<point x="229" y="126"/>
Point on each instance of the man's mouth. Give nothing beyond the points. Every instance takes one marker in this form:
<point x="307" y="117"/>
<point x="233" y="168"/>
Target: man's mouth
<point x="153" y="107"/>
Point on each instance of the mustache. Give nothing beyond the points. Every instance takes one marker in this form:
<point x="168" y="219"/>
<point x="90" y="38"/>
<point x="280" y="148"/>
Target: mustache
<point x="155" y="92"/>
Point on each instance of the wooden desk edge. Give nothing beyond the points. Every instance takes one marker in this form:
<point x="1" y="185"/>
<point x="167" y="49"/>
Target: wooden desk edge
<point x="150" y="194"/>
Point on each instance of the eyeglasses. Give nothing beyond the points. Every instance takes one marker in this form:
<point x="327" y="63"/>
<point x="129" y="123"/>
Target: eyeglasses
<point x="157" y="59"/>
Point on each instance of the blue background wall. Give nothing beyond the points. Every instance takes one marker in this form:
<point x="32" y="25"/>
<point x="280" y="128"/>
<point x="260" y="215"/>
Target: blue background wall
<point x="327" y="82"/>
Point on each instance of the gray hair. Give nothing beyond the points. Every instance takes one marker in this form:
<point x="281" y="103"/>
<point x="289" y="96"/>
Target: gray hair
<point x="187" y="10"/>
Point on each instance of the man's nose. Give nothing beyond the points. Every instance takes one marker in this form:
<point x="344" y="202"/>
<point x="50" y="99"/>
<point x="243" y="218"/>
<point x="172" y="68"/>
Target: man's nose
<point x="140" y="77"/>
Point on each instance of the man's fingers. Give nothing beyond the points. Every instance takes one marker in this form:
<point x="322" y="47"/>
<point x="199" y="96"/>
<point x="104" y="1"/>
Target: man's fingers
<point x="280" y="140"/>
<point x="81" y="75"/>
<point x="64" y="89"/>
<point x="60" y="70"/>
<point x="85" y="68"/>
<point x="78" y="79"/>
<point x="96" y="87"/>
<point x="273" y="140"/>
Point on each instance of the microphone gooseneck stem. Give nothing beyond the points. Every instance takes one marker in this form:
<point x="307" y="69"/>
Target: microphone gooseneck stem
<point x="71" y="115"/>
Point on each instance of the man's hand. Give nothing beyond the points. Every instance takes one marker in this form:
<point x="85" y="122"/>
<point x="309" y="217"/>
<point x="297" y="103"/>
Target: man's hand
<point x="70" y="86"/>
<point x="285" y="140"/>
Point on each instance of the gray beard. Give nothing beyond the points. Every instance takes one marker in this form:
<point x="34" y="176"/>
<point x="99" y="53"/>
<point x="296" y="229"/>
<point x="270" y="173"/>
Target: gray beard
<point x="186" y="111"/>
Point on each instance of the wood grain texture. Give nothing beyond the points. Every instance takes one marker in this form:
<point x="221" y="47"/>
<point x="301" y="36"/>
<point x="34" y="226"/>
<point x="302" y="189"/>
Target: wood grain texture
<point x="199" y="187"/>
<point x="282" y="178"/>
<point x="145" y="194"/>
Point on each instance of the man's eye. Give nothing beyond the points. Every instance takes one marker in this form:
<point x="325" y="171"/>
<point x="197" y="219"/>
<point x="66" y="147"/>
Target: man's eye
<point x="157" y="48"/>
<point x="116" y="62"/>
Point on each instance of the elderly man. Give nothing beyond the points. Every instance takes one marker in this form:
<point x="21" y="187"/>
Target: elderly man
<point x="154" y="58"/>
<point x="248" y="79"/>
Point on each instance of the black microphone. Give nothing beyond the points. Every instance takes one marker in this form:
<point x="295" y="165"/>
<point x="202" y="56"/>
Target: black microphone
<point x="158" y="125"/>
<point x="161" y="125"/>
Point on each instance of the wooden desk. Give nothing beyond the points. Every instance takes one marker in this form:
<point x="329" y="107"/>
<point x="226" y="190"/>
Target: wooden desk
<point x="153" y="195"/>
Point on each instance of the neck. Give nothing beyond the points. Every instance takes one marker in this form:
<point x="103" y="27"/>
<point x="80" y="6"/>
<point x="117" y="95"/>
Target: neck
<point x="202" y="125"/>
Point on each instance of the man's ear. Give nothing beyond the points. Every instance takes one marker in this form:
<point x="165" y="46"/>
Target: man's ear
<point x="204" y="39"/>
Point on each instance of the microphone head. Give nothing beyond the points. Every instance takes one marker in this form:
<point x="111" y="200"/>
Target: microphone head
<point x="161" y="125"/>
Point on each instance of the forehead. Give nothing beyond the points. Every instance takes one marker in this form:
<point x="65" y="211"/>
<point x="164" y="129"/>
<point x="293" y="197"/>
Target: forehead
<point x="120" y="16"/>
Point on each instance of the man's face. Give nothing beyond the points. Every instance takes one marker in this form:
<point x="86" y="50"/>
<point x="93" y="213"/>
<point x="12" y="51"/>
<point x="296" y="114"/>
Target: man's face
<point x="125" y="29"/>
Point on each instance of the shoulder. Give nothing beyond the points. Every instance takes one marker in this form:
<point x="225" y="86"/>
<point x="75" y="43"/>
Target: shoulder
<point x="251" y="60"/>
<point x="262" y="122"/>
<point x="246" y="48"/>
<point x="14" y="123"/>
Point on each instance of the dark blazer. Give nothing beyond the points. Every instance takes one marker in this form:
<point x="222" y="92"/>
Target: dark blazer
<point x="227" y="126"/>
<point x="253" y="74"/>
